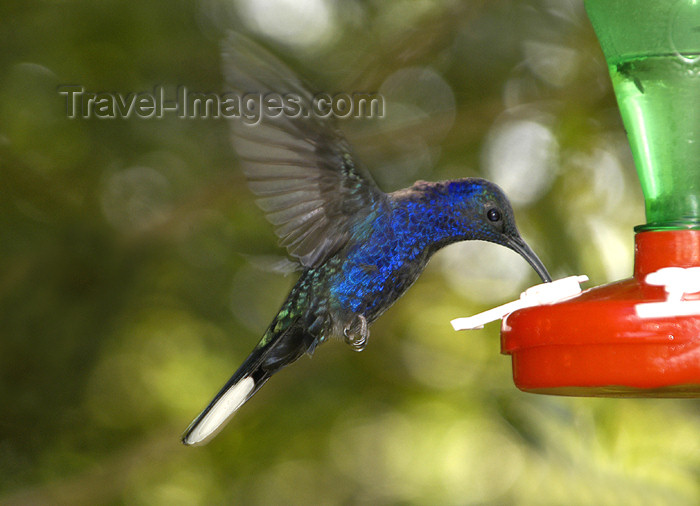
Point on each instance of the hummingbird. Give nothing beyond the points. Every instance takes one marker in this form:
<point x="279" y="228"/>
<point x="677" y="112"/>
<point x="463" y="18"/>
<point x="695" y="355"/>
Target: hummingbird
<point x="358" y="248"/>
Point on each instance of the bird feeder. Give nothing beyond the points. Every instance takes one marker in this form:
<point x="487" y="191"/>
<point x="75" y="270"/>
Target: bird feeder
<point x="639" y="337"/>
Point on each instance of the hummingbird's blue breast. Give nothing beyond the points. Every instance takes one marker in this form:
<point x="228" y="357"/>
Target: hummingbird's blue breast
<point x="390" y="249"/>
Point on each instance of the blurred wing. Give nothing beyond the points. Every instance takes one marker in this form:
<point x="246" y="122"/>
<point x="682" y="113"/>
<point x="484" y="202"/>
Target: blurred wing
<point x="312" y="189"/>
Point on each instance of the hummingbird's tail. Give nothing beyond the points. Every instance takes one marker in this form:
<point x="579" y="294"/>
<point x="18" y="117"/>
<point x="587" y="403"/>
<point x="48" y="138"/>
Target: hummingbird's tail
<point x="276" y="350"/>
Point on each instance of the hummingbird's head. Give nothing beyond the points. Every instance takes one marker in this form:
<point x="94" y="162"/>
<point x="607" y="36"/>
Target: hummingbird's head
<point x="485" y="214"/>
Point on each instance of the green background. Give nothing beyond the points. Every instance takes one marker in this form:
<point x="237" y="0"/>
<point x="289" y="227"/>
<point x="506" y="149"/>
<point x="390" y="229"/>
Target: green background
<point x="136" y="272"/>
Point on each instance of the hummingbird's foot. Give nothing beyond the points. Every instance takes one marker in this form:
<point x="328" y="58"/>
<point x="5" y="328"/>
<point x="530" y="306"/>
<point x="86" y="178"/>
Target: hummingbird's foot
<point x="357" y="333"/>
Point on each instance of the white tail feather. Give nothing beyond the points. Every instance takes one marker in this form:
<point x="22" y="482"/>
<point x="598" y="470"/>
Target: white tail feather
<point x="220" y="412"/>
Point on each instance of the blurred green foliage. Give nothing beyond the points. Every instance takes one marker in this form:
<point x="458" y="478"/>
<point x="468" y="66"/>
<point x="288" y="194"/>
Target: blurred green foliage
<point x="134" y="266"/>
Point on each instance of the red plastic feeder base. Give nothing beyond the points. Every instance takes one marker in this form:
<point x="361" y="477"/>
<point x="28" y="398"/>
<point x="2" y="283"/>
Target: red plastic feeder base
<point x="596" y="344"/>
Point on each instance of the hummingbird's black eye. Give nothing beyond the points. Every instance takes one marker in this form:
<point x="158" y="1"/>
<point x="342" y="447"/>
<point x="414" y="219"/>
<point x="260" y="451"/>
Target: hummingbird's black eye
<point x="493" y="215"/>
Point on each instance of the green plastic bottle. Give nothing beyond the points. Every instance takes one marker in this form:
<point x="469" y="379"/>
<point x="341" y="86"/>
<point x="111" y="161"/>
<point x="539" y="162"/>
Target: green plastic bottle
<point x="652" y="48"/>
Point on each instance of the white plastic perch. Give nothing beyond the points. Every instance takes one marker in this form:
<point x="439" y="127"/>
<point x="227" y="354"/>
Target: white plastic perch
<point x="545" y="293"/>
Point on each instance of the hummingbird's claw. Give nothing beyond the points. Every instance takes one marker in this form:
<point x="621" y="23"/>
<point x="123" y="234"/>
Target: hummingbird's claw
<point x="357" y="333"/>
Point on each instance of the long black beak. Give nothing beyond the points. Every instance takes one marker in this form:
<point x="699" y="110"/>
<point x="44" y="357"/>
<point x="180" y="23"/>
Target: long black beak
<point x="517" y="244"/>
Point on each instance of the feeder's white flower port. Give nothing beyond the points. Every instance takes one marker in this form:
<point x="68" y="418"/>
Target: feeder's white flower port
<point x="544" y="293"/>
